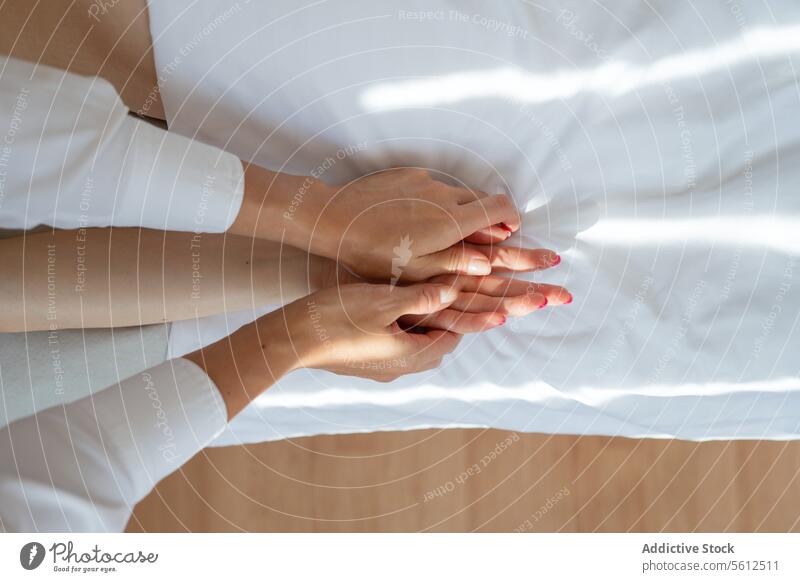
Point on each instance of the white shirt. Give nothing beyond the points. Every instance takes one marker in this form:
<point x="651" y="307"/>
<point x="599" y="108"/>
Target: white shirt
<point x="72" y="156"/>
<point x="83" y="466"/>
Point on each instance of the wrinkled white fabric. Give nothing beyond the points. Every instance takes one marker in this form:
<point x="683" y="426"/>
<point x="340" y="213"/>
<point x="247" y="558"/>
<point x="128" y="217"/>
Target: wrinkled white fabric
<point x="655" y="146"/>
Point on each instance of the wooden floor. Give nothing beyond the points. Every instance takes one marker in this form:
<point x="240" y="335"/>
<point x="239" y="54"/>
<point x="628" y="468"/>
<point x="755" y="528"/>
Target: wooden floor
<point x="484" y="480"/>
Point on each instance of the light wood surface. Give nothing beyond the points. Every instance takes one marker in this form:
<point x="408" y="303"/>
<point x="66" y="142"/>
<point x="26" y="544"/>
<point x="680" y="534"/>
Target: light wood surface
<point x="380" y="482"/>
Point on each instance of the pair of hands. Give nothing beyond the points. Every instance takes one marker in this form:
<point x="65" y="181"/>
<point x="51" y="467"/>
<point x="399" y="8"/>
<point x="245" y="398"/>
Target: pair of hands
<point x="434" y="244"/>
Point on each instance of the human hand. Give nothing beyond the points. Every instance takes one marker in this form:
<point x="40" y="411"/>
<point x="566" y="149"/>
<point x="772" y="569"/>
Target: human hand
<point x="482" y="302"/>
<point x="353" y="330"/>
<point x="405" y="225"/>
<point x="397" y="224"/>
<point x="487" y="302"/>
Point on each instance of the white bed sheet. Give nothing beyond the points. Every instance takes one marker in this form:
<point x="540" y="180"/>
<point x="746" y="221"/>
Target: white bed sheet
<point x="655" y="146"/>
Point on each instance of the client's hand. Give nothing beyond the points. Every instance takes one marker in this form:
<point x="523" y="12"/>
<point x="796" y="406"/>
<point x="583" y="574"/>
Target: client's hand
<point x="353" y="330"/>
<point x="482" y="302"/>
<point x="487" y="302"/>
<point x="396" y="224"/>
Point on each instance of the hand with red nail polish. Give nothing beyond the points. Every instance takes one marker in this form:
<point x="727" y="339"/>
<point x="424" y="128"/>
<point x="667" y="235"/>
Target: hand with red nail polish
<point x="487" y="302"/>
<point x="483" y="302"/>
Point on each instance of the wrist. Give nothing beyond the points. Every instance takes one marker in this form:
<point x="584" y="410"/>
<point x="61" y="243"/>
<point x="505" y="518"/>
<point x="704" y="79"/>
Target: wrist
<point x="246" y="363"/>
<point x="304" y="332"/>
<point x="280" y="207"/>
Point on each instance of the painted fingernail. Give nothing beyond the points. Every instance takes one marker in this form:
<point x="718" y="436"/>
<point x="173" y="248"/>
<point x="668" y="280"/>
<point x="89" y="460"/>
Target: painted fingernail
<point x="479" y="267"/>
<point x="555" y="260"/>
<point x="503" y="320"/>
<point x="568" y="301"/>
<point x="506" y="228"/>
<point x="543" y="304"/>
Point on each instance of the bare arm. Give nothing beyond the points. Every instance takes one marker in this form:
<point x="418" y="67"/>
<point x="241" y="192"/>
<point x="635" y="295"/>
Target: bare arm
<point x="104" y="453"/>
<point x="121" y="277"/>
<point x="359" y="224"/>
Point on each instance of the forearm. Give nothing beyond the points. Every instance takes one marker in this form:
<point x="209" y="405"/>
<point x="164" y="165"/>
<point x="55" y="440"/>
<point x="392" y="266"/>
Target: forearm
<point x="123" y="277"/>
<point x="249" y="361"/>
<point x="89" y="38"/>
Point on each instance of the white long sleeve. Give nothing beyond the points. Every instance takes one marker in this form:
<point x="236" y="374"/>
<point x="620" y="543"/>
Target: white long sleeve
<point x="83" y="466"/>
<point x="72" y="156"/>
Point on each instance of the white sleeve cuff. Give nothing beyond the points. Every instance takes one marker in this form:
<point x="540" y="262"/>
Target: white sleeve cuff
<point x="175" y="183"/>
<point x="79" y="160"/>
<point x="154" y="422"/>
<point x="83" y="466"/>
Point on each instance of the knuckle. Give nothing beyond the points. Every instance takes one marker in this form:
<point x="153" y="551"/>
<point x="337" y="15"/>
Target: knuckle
<point x="428" y="298"/>
<point x="505" y="255"/>
<point x="453" y="260"/>
<point x="475" y="195"/>
<point x="503" y="201"/>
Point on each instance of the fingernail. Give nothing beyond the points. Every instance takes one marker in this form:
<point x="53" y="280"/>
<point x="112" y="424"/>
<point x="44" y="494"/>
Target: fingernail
<point x="505" y="227"/>
<point x="447" y="294"/>
<point x="555" y="260"/>
<point x="568" y="301"/>
<point x="535" y="301"/>
<point x="479" y="267"/>
<point x="503" y="321"/>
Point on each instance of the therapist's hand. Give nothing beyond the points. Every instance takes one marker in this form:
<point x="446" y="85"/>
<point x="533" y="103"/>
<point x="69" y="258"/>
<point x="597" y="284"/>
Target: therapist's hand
<point x="353" y="330"/>
<point x="397" y="224"/>
<point x="350" y="330"/>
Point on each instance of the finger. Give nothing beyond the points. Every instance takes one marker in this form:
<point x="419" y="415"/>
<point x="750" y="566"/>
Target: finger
<point x="467" y="195"/>
<point x="490" y="235"/>
<point x="487" y="212"/>
<point x="555" y="295"/>
<point x="508" y="305"/>
<point x="416" y="299"/>
<point x="509" y="258"/>
<point x="458" y="259"/>
<point x="456" y="321"/>
<point x="496" y="286"/>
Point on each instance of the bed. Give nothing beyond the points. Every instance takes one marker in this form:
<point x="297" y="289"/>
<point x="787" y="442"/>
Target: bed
<point x="655" y="146"/>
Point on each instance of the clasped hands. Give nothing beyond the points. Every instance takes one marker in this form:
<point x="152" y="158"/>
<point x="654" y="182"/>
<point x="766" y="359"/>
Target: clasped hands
<point x="412" y="264"/>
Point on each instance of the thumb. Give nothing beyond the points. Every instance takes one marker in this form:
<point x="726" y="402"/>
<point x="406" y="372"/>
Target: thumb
<point x="456" y="260"/>
<point x="420" y="299"/>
